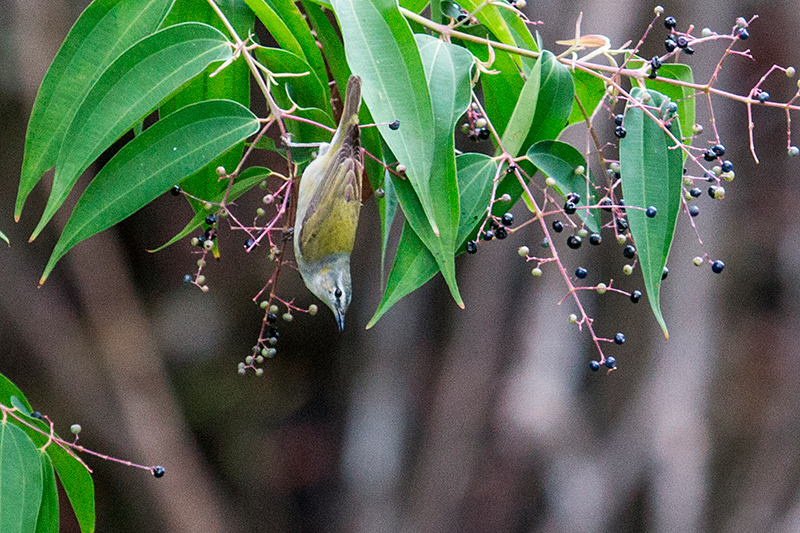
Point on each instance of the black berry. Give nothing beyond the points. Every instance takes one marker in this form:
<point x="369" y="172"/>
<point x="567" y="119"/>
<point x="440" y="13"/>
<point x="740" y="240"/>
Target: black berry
<point x="618" y="119"/>
<point x="670" y="44"/>
<point x="651" y="211"/>
<point x="712" y="191"/>
<point x="501" y="233"/>
<point x="595" y="239"/>
<point x="636" y="296"/>
<point x="581" y="272"/>
<point x="629" y="251"/>
<point x="558" y="227"/>
<point x="743" y="34"/>
<point x="619" y="338"/>
<point x="574" y="197"/>
<point x="594" y="366"/>
<point x="694" y="210"/>
<point x="655" y="63"/>
<point x="187" y="279"/>
<point x="718" y="149"/>
<point x="622" y="225"/>
<point x="709" y="155"/>
<point x="717" y="266"/>
<point x="507" y="219"/>
<point x="611" y="362"/>
<point x="569" y="208"/>
<point x="574" y="242"/>
<point x="682" y="42"/>
<point x="606" y="201"/>
<point x="688" y="50"/>
<point x="272" y="318"/>
<point x="620" y="132"/>
<point x="488" y="235"/>
<point x="670" y="23"/>
<point x="695" y="192"/>
<point x="175" y="190"/>
<point x="664" y="273"/>
<point x="211" y="219"/>
<point x="727" y="166"/>
<point x="472" y="247"/>
<point x="483" y="134"/>
<point x="249" y="243"/>
<point x="158" y="471"/>
<point x="394" y="125"/>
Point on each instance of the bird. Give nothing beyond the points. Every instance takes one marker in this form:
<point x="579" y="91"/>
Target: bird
<point x="328" y="206"/>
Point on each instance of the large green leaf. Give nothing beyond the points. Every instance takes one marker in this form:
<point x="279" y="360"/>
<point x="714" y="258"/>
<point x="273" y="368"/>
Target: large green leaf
<point x="179" y="145"/>
<point x="47" y="520"/>
<point x="232" y="83"/>
<point x="506" y="26"/>
<point x="683" y="96"/>
<point x="381" y="49"/>
<point x="75" y="479"/>
<point x="559" y="161"/>
<point x="128" y="90"/>
<point x="104" y="30"/>
<point x="651" y="169"/>
<point x="414" y="265"/>
<point x="589" y="90"/>
<point x="20" y="480"/>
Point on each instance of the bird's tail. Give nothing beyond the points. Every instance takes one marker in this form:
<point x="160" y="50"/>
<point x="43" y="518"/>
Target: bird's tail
<point x="352" y="103"/>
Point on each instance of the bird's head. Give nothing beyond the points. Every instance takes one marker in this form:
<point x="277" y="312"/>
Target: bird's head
<point x="331" y="283"/>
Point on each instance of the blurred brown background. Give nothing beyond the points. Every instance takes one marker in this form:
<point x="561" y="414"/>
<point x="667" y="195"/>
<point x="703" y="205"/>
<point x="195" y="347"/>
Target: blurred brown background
<point x="437" y="420"/>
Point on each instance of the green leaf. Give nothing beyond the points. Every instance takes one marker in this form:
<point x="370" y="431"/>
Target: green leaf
<point x="20" y="480"/>
<point x="128" y="90"/>
<point x="75" y="479"/>
<point x="683" y="96"/>
<point x="506" y="26"/>
<point x="245" y="181"/>
<point x="104" y="30"/>
<point x="47" y="521"/>
<point x="590" y="91"/>
<point x="651" y="168"/>
<point x="232" y="83"/>
<point x="559" y="160"/>
<point x="17" y="403"/>
<point x="414" y="265"/>
<point x="179" y="145"/>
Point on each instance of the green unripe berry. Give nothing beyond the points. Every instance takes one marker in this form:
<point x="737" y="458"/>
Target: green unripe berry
<point x="260" y="212"/>
<point x="240" y="366"/>
<point x="537" y="272"/>
<point x="75" y="429"/>
<point x="658" y="10"/>
<point x="717" y="170"/>
<point x="697" y="261"/>
<point x="273" y="309"/>
<point x="697" y="129"/>
<point x="259" y="372"/>
<point x="201" y="279"/>
<point x="195" y="241"/>
<point x="268" y="199"/>
<point x="583" y="233"/>
<point x="601" y="288"/>
<point x="523" y="251"/>
<point x="505" y="198"/>
<point x="550" y="182"/>
<point x="646" y="97"/>
<point x="271" y="352"/>
<point x="287" y="317"/>
<point x="263" y="352"/>
<point x="241" y="371"/>
<point x="465" y="128"/>
<point x="259" y="359"/>
<point x="573" y="318"/>
<point x="263" y="304"/>
<point x="208" y="245"/>
<point x="580" y="170"/>
<point x="790" y="72"/>
<point x="627" y="270"/>
<point x="615" y="166"/>
<point x="201" y="263"/>
<point x="706" y="32"/>
<point x="728" y="176"/>
<point x="248" y="360"/>
<point x="221" y="171"/>
<point x="719" y="193"/>
<point x="262" y="185"/>
<point x="312" y="309"/>
<point x="621" y="238"/>
<point x="204" y="288"/>
<point x="794" y="151"/>
<point x="480" y="123"/>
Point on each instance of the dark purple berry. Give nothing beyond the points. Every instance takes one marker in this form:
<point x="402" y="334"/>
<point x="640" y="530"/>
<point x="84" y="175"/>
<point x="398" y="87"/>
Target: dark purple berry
<point x="694" y="210"/>
<point x="743" y="34"/>
<point x="629" y="251"/>
<point x="211" y="219"/>
<point x="488" y="235"/>
<point x="484" y="134"/>
<point x="569" y="208"/>
<point x="594" y="366"/>
<point x="622" y="225"/>
<point x="763" y="96"/>
<point x="618" y="119"/>
<point x="682" y="42"/>
<point x="574" y="242"/>
<point x="595" y="239"/>
<point x="501" y="233"/>
<point x="651" y="211"/>
<point x="581" y="272"/>
<point x="670" y="23"/>
<point x="670" y="44"/>
<point x="620" y="132"/>
<point x="619" y="338"/>
<point x="272" y="318"/>
<point x="36" y="414"/>
<point x="718" y="149"/>
<point x="507" y="219"/>
<point x="717" y="266"/>
<point x="636" y="296"/>
<point x="611" y="362"/>
<point x="606" y="201"/>
<point x="472" y="247"/>
<point x="249" y="243"/>
<point x="712" y="191"/>
<point x="558" y="227"/>
<point x="688" y="50"/>
<point x="175" y="190"/>
<point x="158" y="471"/>
<point x="653" y="75"/>
<point x="187" y="279"/>
<point x="574" y="197"/>
<point x="709" y="155"/>
<point x="394" y="125"/>
<point x="655" y="63"/>
<point x="695" y="192"/>
<point x="664" y="273"/>
<point x="621" y="201"/>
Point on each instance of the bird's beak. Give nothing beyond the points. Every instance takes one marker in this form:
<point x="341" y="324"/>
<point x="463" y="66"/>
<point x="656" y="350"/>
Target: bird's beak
<point x="340" y="320"/>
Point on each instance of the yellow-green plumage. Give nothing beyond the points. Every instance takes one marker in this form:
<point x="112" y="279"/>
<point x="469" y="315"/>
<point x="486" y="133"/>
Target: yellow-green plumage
<point x="328" y="205"/>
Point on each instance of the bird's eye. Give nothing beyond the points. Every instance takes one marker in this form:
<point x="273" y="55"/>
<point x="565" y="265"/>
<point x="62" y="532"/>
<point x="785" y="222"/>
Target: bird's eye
<point x="338" y="293"/>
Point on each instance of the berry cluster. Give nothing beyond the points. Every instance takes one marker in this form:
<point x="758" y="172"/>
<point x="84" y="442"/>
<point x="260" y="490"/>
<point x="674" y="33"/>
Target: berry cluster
<point x="475" y="128"/>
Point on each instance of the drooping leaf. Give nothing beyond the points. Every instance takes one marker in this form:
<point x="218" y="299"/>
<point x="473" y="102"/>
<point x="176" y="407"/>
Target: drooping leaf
<point x="232" y="83"/>
<point x="149" y="165"/>
<point x="75" y="479"/>
<point x="20" y="480"/>
<point x="381" y="49"/>
<point x="104" y="30"/>
<point x="559" y="161"/>
<point x="651" y="168"/>
<point x="245" y="181"/>
<point x="47" y="521"/>
<point x="128" y="90"/>
<point x="414" y="265"/>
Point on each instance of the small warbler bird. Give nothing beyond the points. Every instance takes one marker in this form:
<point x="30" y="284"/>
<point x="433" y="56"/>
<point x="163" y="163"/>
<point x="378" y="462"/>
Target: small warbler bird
<point x="328" y="204"/>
